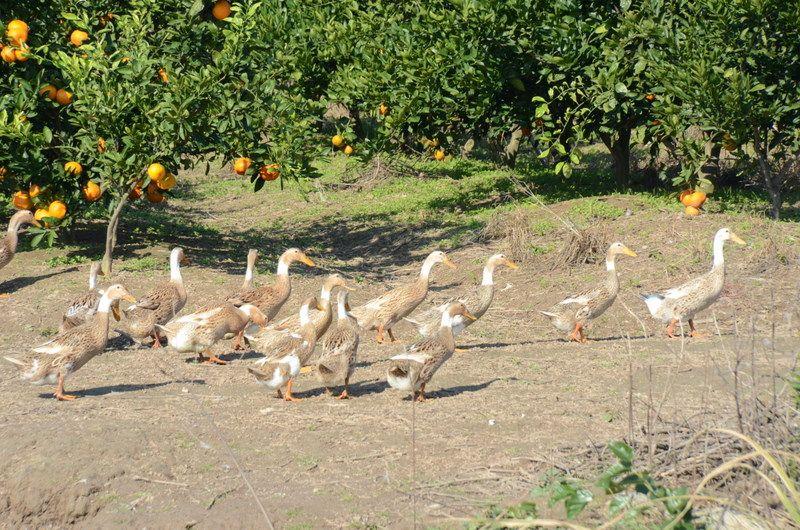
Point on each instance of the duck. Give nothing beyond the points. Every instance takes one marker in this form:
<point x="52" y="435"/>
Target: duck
<point x="67" y="352"/>
<point x="413" y="369"/>
<point x="83" y="307"/>
<point x="8" y="245"/>
<point x="574" y="312"/>
<point x="161" y="304"/>
<point x="250" y="271"/>
<point x="270" y="298"/>
<point x="263" y="339"/>
<point x="338" y="359"/>
<point x="199" y="331"/>
<point x="282" y="363"/>
<point x="382" y="313"/>
<point x="682" y="303"/>
<point x="477" y="301"/>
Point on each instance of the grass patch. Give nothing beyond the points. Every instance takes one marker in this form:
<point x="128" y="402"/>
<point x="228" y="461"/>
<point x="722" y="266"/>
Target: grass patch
<point x="145" y="263"/>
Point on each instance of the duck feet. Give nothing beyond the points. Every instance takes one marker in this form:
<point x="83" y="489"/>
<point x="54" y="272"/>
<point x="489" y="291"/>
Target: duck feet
<point x="578" y="334"/>
<point x="59" y="393"/>
<point x="306" y="369"/>
<point x="288" y="396"/>
<point x="420" y="394"/>
<point x="694" y="333"/>
<point x="343" y="395"/>
<point x="671" y="328"/>
<point x="212" y="359"/>
<point x="238" y="344"/>
<point x="156" y="341"/>
<point x="460" y="350"/>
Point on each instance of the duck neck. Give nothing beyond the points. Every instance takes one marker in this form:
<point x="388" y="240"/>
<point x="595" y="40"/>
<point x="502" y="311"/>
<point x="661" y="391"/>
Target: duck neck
<point x="341" y="310"/>
<point x="446" y="331"/>
<point x="175" y="268"/>
<point x="248" y="273"/>
<point x="427" y="267"/>
<point x="305" y="315"/>
<point x="104" y="305"/>
<point x="719" y="258"/>
<point x="488" y="275"/>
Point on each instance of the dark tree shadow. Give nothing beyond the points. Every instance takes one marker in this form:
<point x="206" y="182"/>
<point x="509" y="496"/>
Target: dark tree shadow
<point x="113" y="389"/>
<point x="14" y="284"/>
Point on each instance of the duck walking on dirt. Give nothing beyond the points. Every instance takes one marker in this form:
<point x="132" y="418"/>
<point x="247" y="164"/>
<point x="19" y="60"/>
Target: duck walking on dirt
<point x="574" y="312"/>
<point x="387" y="310"/>
<point x="161" y="304"/>
<point x="477" y="300"/>
<point x="8" y="245"/>
<point x="338" y="359"/>
<point x="412" y="370"/>
<point x="282" y="364"/>
<point x="84" y="307"/>
<point x="682" y="303"/>
<point x="270" y="298"/>
<point x="69" y="351"/>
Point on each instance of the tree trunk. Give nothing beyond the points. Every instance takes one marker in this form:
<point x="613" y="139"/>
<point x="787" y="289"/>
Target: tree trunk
<point x="620" y="149"/>
<point x="771" y="181"/>
<point x="710" y="169"/>
<point x="111" y="235"/>
<point x="512" y="148"/>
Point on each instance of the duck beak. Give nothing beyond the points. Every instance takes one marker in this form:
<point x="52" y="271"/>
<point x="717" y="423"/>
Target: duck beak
<point x="129" y="298"/>
<point x="308" y="261"/>
<point x="510" y="264"/>
<point x="36" y="223"/>
<point x="737" y="239"/>
<point x="470" y="316"/>
<point x="628" y="252"/>
<point x="320" y="306"/>
<point x="449" y="263"/>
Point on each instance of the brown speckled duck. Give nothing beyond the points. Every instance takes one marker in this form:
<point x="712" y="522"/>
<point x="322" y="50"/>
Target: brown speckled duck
<point x="270" y="298"/>
<point x="69" y="351"/>
<point x="267" y="337"/>
<point x="574" y="312"/>
<point x="8" y="245"/>
<point x="198" y="332"/>
<point x="160" y="305"/>
<point x="282" y="364"/>
<point x="412" y="370"/>
<point x="84" y="307"/>
<point x="387" y="310"/>
<point x="682" y="303"/>
<point x="477" y="301"/>
<point x="338" y="359"/>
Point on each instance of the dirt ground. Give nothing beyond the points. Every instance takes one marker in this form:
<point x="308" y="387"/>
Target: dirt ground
<point x="156" y="440"/>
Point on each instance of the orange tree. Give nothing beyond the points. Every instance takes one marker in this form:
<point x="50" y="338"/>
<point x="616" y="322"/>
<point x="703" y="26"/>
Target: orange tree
<point x="438" y="71"/>
<point x="598" y="60"/>
<point x="734" y="70"/>
<point x="108" y="90"/>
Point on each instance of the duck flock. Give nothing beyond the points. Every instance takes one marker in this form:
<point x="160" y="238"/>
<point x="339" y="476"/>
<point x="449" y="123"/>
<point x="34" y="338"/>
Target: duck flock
<point x="249" y="315"/>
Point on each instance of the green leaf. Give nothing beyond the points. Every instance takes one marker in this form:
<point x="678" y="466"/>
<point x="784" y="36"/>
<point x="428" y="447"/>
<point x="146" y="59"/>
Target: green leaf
<point x="623" y="452"/>
<point x="621" y="88"/>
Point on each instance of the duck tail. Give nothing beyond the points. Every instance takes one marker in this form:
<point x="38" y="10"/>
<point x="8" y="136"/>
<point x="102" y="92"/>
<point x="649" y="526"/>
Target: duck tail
<point x="28" y="370"/>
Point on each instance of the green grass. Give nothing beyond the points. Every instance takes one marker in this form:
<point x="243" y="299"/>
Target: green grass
<point x="146" y="263"/>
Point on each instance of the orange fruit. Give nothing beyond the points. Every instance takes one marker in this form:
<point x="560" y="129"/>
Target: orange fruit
<point x="64" y="97"/>
<point x="17" y="32"/>
<point x="73" y="168"/>
<point x="40" y="214"/>
<point x="691" y="211"/>
<point x="348" y="150"/>
<point x="21" y="55"/>
<point x="269" y="172"/>
<point x="167" y="183"/>
<point x="48" y="91"/>
<point x="241" y="165"/>
<point x="34" y="190"/>
<point x="383" y="110"/>
<point x="163" y="75"/>
<point x="650" y="98"/>
<point x="695" y="200"/>
<point x="8" y="54"/>
<point x="136" y="193"/>
<point x="78" y="37"/>
<point x="154" y="194"/>
<point x="57" y="209"/>
<point x="22" y="201"/>
<point x="221" y="9"/>
<point x="3" y="172"/>
<point x="656" y="122"/>
<point x="683" y="195"/>
<point x="91" y="191"/>
<point x="156" y="171"/>
<point x="337" y="140"/>
<point x="101" y="145"/>
<point x="439" y="154"/>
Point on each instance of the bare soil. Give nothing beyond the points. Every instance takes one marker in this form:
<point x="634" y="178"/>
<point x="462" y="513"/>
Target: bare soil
<point x="156" y="440"/>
